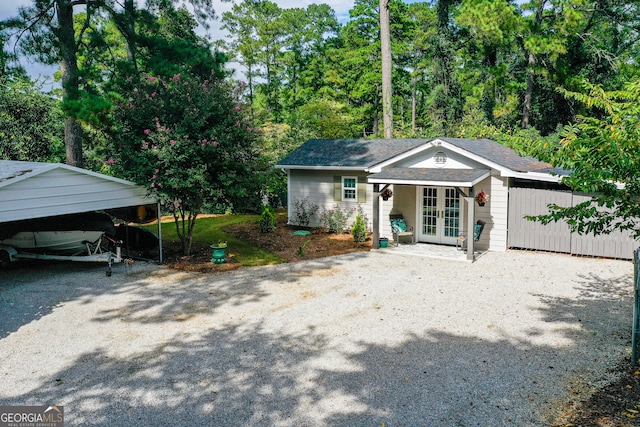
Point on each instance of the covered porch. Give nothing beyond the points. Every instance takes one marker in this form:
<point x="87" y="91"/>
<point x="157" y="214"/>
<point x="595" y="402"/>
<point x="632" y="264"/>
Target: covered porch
<point x="431" y="251"/>
<point x="437" y="202"/>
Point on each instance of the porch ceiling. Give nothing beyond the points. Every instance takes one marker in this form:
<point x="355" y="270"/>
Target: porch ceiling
<point x="424" y="176"/>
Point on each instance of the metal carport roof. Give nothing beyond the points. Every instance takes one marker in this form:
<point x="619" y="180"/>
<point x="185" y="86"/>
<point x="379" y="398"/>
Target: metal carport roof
<point x="38" y="190"/>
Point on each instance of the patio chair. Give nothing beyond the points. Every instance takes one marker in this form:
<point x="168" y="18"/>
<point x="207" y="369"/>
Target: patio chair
<point x="399" y="228"/>
<point x="477" y="231"/>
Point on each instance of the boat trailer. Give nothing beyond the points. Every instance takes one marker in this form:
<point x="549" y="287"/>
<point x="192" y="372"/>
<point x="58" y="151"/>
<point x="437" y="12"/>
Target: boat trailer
<point x="94" y="252"/>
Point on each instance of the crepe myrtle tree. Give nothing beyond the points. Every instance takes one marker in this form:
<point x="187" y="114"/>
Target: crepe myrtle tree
<point x="189" y="142"/>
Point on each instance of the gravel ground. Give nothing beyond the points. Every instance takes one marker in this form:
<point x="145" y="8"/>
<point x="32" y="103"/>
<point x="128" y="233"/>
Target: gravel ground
<point x="361" y="339"/>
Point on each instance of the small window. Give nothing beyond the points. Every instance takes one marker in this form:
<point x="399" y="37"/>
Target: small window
<point x="349" y="187"/>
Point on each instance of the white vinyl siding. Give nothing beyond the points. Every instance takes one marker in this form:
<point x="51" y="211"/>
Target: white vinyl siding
<point x="318" y="188"/>
<point x="494" y="214"/>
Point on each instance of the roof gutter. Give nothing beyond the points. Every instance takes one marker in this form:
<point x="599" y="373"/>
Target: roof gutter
<point x="535" y="176"/>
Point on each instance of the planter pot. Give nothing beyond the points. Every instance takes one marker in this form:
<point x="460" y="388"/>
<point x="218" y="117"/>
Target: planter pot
<point x="481" y="204"/>
<point x="385" y="198"/>
<point x="218" y="254"/>
<point x="384" y="242"/>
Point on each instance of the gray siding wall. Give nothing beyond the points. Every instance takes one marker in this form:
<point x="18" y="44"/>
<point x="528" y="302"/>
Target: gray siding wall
<point x="317" y="188"/>
<point x="557" y="237"/>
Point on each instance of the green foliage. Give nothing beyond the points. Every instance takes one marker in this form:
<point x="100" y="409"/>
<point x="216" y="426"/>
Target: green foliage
<point x="303" y="211"/>
<point x="301" y="248"/>
<point x="359" y="229"/>
<point x="267" y="220"/>
<point x="187" y="140"/>
<point x="278" y="140"/>
<point x="335" y="220"/>
<point x="325" y="118"/>
<point x="31" y="123"/>
<point x="602" y="155"/>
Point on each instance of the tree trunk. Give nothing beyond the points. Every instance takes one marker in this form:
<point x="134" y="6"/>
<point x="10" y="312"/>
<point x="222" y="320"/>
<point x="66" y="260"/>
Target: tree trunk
<point x="385" y="43"/>
<point x="413" y="104"/>
<point x="531" y="63"/>
<point x="70" y="80"/>
<point x="73" y="142"/>
<point x="129" y="32"/>
<point x="526" y="108"/>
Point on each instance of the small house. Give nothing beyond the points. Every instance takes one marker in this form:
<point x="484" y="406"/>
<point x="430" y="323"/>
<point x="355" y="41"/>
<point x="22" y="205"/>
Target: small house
<point x="443" y="188"/>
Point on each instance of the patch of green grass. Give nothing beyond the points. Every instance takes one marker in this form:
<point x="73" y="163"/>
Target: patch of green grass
<point x="211" y="230"/>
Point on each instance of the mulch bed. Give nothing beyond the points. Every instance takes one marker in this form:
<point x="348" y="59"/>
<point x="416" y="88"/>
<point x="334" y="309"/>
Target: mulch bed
<point x="282" y="242"/>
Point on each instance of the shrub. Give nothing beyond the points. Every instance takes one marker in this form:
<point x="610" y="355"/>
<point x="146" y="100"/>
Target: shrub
<point x="301" y="248"/>
<point x="336" y="219"/>
<point x="303" y="211"/>
<point x="267" y="220"/>
<point x="362" y="213"/>
<point x="359" y="229"/>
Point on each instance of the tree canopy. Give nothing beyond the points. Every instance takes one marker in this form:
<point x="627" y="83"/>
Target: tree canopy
<point x="548" y="77"/>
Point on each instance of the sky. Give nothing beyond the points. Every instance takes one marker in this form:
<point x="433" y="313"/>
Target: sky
<point x="9" y="8"/>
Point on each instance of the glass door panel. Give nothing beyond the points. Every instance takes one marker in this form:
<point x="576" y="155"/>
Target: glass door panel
<point x="429" y="211"/>
<point x="451" y="213"/>
<point x="441" y="215"/>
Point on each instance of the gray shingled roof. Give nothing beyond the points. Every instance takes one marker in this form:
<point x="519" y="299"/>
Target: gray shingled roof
<point x="500" y="154"/>
<point x="366" y="153"/>
<point x="432" y="175"/>
<point x="362" y="153"/>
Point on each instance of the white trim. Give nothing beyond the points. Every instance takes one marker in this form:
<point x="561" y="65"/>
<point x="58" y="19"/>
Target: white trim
<point x="535" y="176"/>
<point x="483" y="160"/>
<point x="504" y="171"/>
<point x="378" y="167"/>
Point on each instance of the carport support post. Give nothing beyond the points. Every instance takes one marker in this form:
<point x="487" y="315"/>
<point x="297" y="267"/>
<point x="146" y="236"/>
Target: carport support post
<point x="159" y="234"/>
<point x="470" y="227"/>
<point x="376" y="216"/>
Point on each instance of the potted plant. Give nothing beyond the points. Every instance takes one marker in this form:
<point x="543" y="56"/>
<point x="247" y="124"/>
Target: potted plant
<point x="218" y="252"/>
<point x="386" y="194"/>
<point x="482" y="198"/>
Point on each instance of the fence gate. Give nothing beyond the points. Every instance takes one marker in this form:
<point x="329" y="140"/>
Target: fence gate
<point x="556" y="236"/>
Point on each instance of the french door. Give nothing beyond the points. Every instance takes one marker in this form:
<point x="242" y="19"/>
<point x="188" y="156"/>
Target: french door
<point x="440" y="215"/>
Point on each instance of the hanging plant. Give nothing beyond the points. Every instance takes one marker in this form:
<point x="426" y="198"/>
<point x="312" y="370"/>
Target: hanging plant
<point x="386" y="194"/>
<point x="482" y="198"/>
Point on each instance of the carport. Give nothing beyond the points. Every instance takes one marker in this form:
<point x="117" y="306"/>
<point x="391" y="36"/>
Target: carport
<point x="30" y="190"/>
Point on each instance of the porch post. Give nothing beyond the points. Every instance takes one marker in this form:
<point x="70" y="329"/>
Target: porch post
<point x="376" y="216"/>
<point x="470" y="226"/>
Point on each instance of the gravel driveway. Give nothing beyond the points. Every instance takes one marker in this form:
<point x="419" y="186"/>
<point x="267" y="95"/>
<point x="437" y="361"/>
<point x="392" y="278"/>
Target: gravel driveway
<point x="361" y="339"/>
